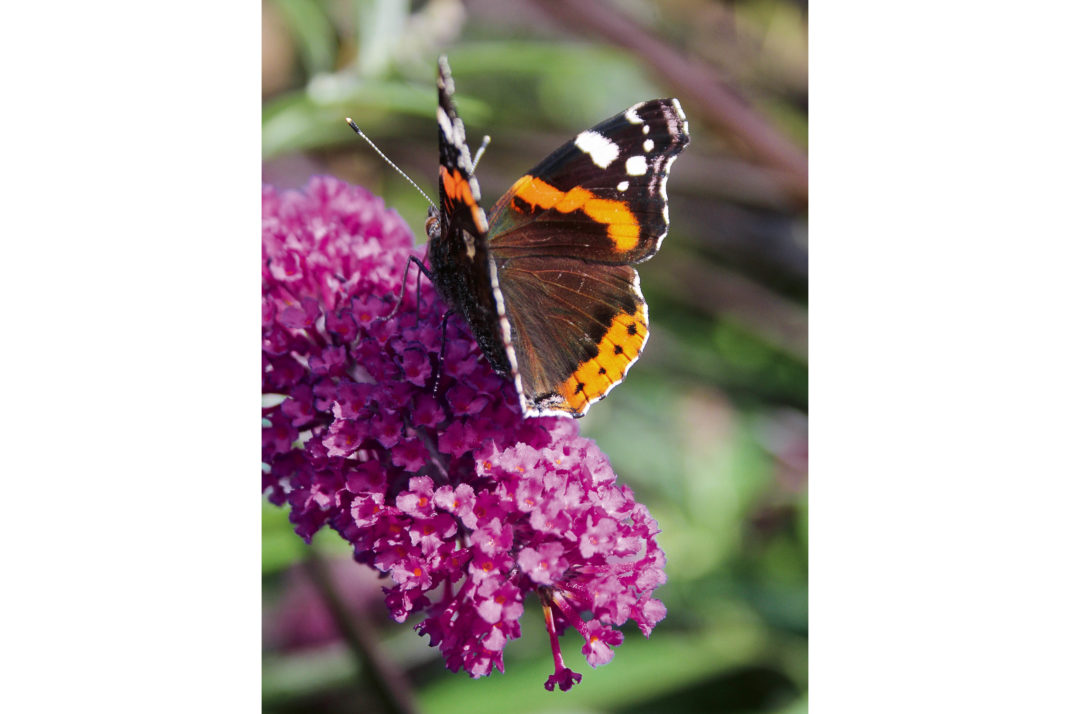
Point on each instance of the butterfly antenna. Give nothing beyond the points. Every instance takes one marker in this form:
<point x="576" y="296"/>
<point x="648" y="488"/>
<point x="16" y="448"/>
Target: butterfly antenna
<point x="479" y="152"/>
<point x="364" y="136"/>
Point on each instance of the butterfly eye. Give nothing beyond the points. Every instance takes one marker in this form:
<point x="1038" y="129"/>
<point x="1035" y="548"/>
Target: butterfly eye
<point x="431" y="225"/>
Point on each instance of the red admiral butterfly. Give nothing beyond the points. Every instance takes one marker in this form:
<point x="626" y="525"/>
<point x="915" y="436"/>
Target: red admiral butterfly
<point x="547" y="284"/>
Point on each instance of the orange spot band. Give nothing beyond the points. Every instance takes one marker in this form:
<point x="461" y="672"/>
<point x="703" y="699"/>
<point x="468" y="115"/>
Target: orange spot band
<point x="621" y="224"/>
<point x="594" y="377"/>
<point x="455" y="187"/>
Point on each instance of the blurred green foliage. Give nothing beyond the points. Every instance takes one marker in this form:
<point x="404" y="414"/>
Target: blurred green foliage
<point x="710" y="427"/>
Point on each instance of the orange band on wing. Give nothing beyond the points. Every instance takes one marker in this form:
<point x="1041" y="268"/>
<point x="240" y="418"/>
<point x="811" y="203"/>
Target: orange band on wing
<point x="620" y="222"/>
<point x="449" y="185"/>
<point x="619" y="347"/>
<point x="455" y="187"/>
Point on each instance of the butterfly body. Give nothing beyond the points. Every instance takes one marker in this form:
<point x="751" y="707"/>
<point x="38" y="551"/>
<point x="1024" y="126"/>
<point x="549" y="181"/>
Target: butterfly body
<point x="546" y="283"/>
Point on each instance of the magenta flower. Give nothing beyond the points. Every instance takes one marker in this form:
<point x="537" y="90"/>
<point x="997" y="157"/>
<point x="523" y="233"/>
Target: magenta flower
<point x="419" y="456"/>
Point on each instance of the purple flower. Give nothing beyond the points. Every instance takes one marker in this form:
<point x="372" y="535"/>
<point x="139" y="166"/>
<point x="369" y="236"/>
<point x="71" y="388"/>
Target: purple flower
<point x="418" y="455"/>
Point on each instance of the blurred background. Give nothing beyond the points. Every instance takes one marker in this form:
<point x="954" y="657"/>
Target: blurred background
<point x="710" y="428"/>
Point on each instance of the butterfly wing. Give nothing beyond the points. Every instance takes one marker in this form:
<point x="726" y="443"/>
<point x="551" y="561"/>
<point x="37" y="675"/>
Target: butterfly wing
<point x="588" y="327"/>
<point x="601" y="197"/>
<point x="461" y="266"/>
<point x="563" y="239"/>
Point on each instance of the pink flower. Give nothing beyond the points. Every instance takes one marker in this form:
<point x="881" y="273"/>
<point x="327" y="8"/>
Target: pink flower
<point x="418" y="455"/>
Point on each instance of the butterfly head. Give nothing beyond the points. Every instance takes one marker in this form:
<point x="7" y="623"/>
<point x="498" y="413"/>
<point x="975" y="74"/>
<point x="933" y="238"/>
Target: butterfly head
<point x="432" y="226"/>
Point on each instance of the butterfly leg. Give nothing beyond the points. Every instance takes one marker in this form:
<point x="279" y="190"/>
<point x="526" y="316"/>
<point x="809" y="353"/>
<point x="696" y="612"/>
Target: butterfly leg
<point x="404" y="281"/>
<point x="441" y="352"/>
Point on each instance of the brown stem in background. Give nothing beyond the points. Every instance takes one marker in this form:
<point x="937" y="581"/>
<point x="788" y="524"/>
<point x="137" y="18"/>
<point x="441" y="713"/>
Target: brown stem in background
<point x="384" y="677"/>
<point x="697" y="84"/>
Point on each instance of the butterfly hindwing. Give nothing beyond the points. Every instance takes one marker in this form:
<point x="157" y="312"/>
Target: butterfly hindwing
<point x="590" y="327"/>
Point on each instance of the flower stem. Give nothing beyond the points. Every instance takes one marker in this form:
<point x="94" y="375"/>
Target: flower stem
<point x="385" y="678"/>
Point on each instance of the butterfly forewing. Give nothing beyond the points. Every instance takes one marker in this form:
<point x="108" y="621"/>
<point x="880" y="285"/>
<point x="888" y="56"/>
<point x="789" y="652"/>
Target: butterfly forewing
<point x="600" y="197"/>
<point x="463" y="271"/>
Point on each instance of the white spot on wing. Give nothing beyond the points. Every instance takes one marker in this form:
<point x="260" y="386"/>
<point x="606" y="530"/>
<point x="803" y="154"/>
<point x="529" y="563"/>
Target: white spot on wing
<point x="602" y="151"/>
<point x="636" y="166"/>
<point x="648" y="145"/>
<point x="445" y="124"/>
<point x="481" y="221"/>
<point x="679" y="109"/>
<point x="632" y="115"/>
<point x="445" y="79"/>
<point x="683" y="117"/>
<point x="622" y="186"/>
<point x="646" y="128"/>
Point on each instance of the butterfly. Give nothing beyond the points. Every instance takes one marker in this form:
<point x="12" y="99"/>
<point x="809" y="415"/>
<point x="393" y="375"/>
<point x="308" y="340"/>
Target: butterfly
<point x="547" y="282"/>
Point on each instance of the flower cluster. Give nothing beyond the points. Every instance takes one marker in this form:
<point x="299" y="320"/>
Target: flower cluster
<point x="415" y="450"/>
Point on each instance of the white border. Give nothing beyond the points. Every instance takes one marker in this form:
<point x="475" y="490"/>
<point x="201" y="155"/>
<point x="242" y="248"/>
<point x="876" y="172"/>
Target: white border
<point x="939" y="301"/>
<point x="131" y="415"/>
